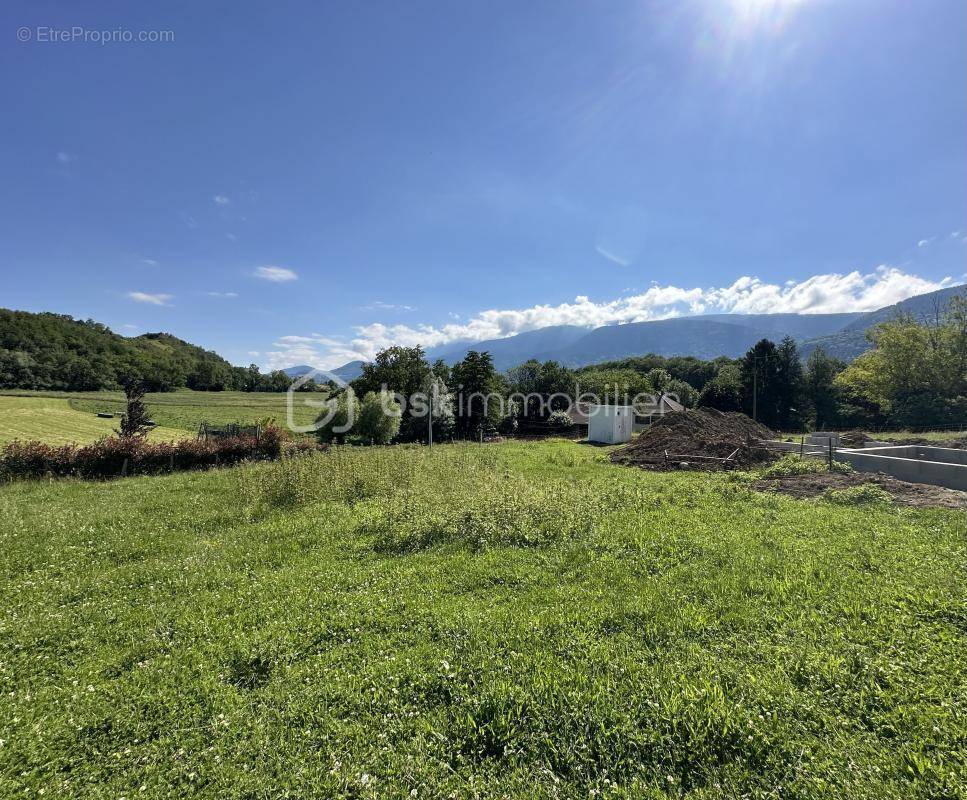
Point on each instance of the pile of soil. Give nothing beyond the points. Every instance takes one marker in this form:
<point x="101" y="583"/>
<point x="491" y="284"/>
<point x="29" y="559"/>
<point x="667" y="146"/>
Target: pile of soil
<point x="908" y="494"/>
<point x="854" y="439"/>
<point x="687" y="436"/>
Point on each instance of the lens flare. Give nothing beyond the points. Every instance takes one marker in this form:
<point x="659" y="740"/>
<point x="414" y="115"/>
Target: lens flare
<point x="749" y="16"/>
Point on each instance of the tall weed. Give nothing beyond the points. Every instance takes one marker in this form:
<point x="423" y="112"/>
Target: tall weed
<point x="454" y="494"/>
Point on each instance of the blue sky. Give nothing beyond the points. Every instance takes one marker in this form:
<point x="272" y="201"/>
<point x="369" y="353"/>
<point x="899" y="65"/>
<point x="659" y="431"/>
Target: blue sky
<point x="311" y="181"/>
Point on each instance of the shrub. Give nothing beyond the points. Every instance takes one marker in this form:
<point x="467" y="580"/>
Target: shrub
<point x="341" y="421"/>
<point x="865" y="495"/>
<point x="379" y="418"/>
<point x="791" y="464"/>
<point x="35" y="459"/>
<point x="113" y="457"/>
<point x="559" y="420"/>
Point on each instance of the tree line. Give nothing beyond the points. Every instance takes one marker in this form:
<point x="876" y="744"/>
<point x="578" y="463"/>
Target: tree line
<point x="915" y="375"/>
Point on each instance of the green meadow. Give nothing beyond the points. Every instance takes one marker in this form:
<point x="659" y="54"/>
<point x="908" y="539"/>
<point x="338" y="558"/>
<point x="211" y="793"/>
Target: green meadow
<point x="60" y="417"/>
<point x="55" y="421"/>
<point x="511" y="620"/>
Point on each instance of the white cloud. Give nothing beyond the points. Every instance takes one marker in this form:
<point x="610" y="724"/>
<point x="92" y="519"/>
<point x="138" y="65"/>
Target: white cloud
<point x="254" y="353"/>
<point x="221" y="200"/>
<point x="224" y="295"/>
<point x="149" y="261"/>
<point x="614" y="259"/>
<point x="819" y="294"/>
<point x="275" y="274"/>
<point x="129" y="327"/>
<point x="151" y="299"/>
<point x="379" y="305"/>
<point x="231" y="237"/>
<point x="66" y="158"/>
<point x="924" y="242"/>
<point x="317" y="350"/>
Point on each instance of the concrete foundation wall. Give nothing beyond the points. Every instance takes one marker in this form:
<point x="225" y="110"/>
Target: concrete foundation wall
<point x="939" y="466"/>
<point x="794" y="447"/>
<point x="945" y="455"/>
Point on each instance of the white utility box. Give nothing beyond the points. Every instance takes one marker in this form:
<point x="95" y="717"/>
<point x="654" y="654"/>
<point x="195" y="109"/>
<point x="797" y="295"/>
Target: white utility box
<point x="610" y="424"/>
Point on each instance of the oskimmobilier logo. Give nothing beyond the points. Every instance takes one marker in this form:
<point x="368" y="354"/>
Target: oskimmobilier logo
<point x="581" y="407"/>
<point x="327" y="407"/>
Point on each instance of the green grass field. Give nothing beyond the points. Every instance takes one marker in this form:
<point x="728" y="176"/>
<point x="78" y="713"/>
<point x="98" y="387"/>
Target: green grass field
<point x="59" y="417"/>
<point x="514" y="620"/>
<point x="54" y="421"/>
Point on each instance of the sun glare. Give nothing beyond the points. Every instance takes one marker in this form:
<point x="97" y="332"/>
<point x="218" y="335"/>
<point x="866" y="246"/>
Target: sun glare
<point x="761" y="15"/>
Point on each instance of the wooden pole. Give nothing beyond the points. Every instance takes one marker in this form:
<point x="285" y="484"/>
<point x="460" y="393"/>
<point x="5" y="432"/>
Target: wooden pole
<point x="755" y="387"/>
<point x="429" y="425"/>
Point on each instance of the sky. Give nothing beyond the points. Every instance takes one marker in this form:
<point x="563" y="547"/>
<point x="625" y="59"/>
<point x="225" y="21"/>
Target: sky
<point x="291" y="183"/>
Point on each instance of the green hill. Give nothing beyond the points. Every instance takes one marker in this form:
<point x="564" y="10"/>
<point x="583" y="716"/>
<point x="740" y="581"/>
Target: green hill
<point x="851" y="341"/>
<point x="56" y="351"/>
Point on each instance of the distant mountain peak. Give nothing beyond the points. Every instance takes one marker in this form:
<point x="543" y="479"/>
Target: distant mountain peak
<point x="347" y="372"/>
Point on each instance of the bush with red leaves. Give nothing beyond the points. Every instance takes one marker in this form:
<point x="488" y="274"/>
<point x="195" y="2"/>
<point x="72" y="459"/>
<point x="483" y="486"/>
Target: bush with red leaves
<point x="114" y="457"/>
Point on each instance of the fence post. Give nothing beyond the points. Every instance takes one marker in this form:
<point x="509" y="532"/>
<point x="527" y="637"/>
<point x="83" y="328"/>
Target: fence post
<point x="124" y="469"/>
<point x="830" y="465"/>
<point x="802" y="445"/>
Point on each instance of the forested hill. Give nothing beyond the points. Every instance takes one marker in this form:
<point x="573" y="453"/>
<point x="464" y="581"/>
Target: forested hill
<point x="55" y="351"/>
<point x="851" y="341"/>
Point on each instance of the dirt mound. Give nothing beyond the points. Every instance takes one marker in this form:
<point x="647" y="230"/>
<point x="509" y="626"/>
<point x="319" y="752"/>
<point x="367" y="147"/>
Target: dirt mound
<point x="909" y="494"/>
<point x="854" y="439"/>
<point x="693" y="439"/>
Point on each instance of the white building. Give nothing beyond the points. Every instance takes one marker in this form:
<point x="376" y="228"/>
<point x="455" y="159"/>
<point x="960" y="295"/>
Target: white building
<point x="645" y="413"/>
<point x="610" y="424"/>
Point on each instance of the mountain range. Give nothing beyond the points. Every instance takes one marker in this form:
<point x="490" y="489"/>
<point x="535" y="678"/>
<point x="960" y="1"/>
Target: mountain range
<point x="706" y="336"/>
<point x="348" y="371"/>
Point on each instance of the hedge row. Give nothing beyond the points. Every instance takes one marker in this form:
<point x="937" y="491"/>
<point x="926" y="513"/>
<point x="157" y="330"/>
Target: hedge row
<point x="114" y="457"/>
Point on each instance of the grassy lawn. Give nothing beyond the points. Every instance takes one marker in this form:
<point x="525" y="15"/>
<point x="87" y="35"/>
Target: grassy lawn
<point x="182" y="410"/>
<point x="53" y="420"/>
<point x="514" y="620"/>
